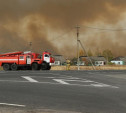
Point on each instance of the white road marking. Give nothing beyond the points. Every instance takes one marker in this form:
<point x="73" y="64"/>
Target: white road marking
<point x="80" y="80"/>
<point x="96" y="84"/>
<point x="64" y="81"/>
<point x="29" y="79"/>
<point x="79" y="85"/>
<point x="60" y="81"/>
<point x="16" y="105"/>
<point x="103" y="85"/>
<point x="72" y="78"/>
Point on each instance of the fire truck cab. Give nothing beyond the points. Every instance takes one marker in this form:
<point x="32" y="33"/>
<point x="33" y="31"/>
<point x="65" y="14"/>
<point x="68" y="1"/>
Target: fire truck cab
<point x="26" y="60"/>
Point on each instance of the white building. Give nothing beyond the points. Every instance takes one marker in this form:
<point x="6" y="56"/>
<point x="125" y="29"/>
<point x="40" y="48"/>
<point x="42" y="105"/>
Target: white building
<point x="119" y="60"/>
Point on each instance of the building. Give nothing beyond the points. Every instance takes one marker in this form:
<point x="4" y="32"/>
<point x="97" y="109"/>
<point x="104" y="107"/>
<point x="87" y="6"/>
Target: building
<point x="59" y="60"/>
<point x="96" y="60"/>
<point x="119" y="60"/>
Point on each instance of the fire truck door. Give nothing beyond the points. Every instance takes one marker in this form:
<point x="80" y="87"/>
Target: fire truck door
<point x="28" y="60"/>
<point x="47" y="58"/>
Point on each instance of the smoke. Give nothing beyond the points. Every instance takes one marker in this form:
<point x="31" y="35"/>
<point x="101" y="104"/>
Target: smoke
<point x="39" y="38"/>
<point x="40" y="21"/>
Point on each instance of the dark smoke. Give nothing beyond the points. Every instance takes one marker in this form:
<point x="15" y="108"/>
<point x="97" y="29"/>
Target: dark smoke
<point x="39" y="39"/>
<point x="22" y="21"/>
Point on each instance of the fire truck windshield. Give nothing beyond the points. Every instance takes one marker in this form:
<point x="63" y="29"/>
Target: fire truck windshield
<point x="46" y="55"/>
<point x="39" y="56"/>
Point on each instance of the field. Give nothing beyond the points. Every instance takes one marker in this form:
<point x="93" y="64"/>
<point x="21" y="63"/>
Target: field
<point x="114" y="67"/>
<point x="87" y="68"/>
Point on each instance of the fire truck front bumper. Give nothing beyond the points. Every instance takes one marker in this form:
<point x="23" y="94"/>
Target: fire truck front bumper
<point x="51" y="64"/>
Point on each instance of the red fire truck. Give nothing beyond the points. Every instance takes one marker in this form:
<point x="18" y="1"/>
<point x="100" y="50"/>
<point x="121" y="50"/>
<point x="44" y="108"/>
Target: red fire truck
<point x="26" y="60"/>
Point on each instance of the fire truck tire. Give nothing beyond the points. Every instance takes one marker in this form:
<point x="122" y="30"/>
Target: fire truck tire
<point x="49" y="67"/>
<point x="44" y="66"/>
<point x="35" y="66"/>
<point x="14" y="67"/>
<point x="6" y="67"/>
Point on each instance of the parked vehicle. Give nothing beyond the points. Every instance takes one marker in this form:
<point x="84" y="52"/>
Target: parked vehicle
<point x="26" y="60"/>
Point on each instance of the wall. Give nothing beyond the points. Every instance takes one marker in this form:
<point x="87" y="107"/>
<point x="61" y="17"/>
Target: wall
<point x="118" y="62"/>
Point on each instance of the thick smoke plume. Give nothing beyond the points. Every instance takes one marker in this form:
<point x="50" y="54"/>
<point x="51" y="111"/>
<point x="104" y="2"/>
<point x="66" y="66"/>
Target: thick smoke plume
<point x="40" y="21"/>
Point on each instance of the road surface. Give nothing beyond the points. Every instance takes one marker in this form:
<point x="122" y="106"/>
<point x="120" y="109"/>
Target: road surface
<point x="70" y="91"/>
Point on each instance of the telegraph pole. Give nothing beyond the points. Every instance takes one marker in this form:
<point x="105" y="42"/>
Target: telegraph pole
<point x="78" y="60"/>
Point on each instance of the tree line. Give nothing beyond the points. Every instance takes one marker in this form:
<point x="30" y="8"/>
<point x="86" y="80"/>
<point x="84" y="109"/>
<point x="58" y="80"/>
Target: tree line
<point x="107" y="54"/>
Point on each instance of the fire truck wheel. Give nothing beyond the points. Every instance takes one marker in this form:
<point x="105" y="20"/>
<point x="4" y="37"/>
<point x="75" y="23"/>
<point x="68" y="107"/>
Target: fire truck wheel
<point x="44" y="66"/>
<point x="6" y="67"/>
<point x="35" y="66"/>
<point x="14" y="67"/>
<point x="49" y="67"/>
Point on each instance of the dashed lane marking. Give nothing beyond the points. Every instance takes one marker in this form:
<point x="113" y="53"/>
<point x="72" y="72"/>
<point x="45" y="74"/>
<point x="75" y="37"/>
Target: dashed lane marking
<point x="91" y="83"/>
<point x="80" y="85"/>
<point x="60" y="81"/>
<point x="29" y="79"/>
<point x="16" y="105"/>
<point x="66" y="81"/>
<point x="69" y="80"/>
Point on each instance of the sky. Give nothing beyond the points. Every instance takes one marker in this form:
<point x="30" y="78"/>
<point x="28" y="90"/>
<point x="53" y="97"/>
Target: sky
<point x="50" y="25"/>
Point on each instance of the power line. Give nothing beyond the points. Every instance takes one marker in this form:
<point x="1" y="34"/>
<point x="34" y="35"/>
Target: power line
<point x="105" y="29"/>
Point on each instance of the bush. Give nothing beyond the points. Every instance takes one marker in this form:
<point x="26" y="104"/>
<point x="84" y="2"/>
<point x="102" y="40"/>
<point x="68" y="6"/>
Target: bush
<point x="110" y="63"/>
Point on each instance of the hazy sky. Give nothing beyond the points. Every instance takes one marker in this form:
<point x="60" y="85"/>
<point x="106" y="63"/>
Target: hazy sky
<point x="49" y="25"/>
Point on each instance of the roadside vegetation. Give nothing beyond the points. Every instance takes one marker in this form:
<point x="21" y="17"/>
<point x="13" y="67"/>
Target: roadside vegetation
<point x="1" y="68"/>
<point x="106" y="53"/>
<point x="106" y="67"/>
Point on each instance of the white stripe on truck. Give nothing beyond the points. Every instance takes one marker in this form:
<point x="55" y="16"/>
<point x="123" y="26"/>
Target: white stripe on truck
<point x="10" y="59"/>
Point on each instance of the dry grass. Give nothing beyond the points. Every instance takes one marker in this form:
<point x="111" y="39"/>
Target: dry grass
<point x="1" y="68"/>
<point x="114" y="67"/>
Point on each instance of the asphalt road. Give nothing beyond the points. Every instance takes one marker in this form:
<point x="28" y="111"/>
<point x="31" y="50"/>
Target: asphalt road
<point x="72" y="91"/>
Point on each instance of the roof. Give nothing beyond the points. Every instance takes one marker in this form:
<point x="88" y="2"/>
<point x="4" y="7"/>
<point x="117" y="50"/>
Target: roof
<point x="95" y="58"/>
<point x="120" y="58"/>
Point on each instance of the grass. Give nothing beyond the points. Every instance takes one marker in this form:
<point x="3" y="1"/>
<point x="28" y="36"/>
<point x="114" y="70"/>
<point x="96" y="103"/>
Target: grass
<point x="1" y="68"/>
<point x="107" y="67"/>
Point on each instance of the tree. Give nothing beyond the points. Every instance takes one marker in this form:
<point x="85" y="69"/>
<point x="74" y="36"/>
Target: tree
<point x="74" y="61"/>
<point x="108" y="55"/>
<point x="98" y="53"/>
<point x="85" y="60"/>
<point x="81" y="53"/>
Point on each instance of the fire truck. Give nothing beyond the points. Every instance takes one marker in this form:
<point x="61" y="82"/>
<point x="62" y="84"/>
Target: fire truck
<point x="26" y="60"/>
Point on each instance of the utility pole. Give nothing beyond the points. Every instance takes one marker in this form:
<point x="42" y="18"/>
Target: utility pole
<point x="78" y="60"/>
<point x="30" y="44"/>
